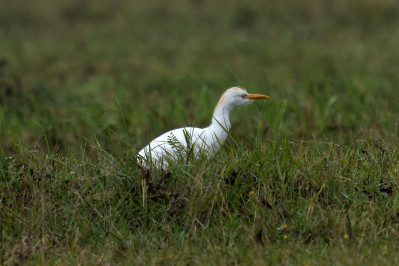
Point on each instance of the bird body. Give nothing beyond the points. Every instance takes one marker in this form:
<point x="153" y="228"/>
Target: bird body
<point x="177" y="143"/>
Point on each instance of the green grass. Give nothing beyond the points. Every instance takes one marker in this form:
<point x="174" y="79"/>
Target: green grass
<point x="310" y="176"/>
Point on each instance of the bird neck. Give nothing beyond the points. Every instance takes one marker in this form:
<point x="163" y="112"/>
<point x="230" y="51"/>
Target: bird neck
<point x="221" y="117"/>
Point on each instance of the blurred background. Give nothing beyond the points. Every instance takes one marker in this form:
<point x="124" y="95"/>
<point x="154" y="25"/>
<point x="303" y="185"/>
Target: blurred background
<point x="75" y="70"/>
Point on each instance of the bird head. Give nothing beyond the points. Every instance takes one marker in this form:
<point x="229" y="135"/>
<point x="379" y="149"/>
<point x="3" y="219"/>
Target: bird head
<point x="236" y="97"/>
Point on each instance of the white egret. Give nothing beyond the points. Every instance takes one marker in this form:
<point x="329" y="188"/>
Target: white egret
<point x="171" y="145"/>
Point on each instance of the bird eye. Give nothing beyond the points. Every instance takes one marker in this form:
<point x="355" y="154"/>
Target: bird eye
<point x="243" y="95"/>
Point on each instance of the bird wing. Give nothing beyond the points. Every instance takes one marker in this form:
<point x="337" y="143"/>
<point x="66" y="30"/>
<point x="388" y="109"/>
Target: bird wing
<point x="170" y="145"/>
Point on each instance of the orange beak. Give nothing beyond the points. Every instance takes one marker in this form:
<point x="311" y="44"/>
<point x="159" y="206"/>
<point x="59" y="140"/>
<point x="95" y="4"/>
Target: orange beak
<point x="256" y="96"/>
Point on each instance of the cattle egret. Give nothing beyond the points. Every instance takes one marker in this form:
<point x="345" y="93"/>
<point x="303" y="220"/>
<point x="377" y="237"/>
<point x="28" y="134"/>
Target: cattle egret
<point x="172" y="145"/>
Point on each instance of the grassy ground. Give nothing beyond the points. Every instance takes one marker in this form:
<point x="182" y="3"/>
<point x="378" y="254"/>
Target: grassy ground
<point x="308" y="177"/>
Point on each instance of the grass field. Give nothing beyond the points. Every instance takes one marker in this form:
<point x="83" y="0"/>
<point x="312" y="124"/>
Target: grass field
<point x="308" y="177"/>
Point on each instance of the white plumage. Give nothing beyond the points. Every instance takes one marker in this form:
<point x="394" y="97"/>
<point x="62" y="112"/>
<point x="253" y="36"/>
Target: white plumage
<point x="178" y="143"/>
